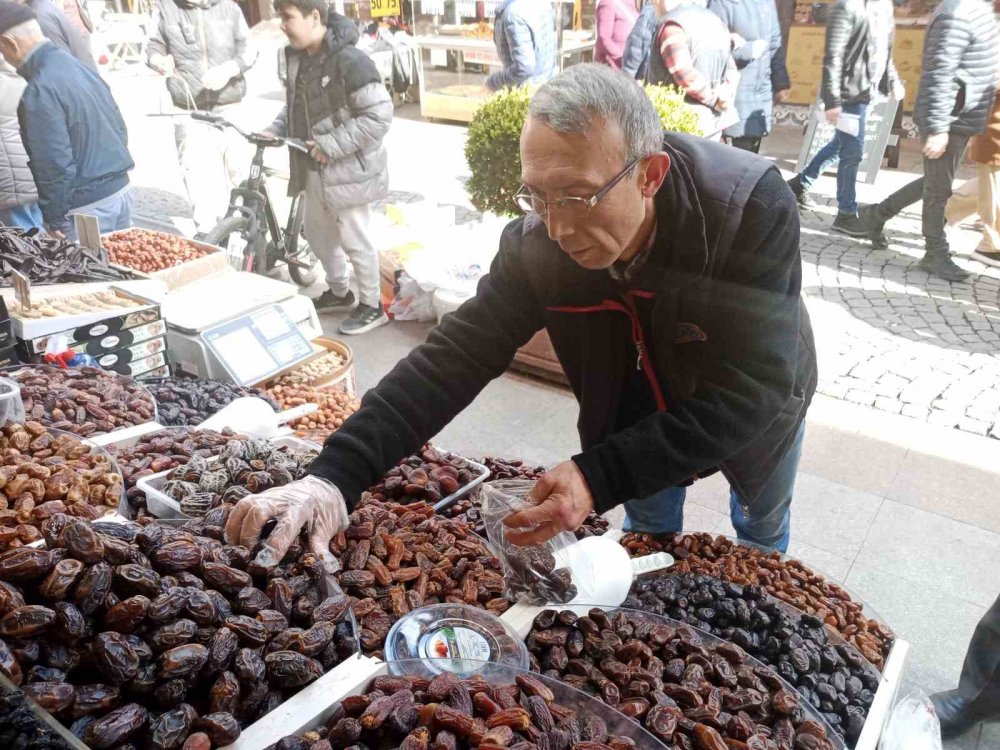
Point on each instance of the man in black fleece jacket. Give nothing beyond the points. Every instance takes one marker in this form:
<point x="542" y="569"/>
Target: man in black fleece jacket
<point x="666" y="270"/>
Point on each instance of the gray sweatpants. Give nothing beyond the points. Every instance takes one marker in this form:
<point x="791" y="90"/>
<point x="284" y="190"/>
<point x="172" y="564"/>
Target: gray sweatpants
<point x="336" y="235"/>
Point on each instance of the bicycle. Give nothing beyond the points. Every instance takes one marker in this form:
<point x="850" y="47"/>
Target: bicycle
<point x="249" y="233"/>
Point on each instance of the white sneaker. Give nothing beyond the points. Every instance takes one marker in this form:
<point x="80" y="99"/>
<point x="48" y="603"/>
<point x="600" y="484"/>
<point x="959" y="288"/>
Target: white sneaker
<point x="989" y="257"/>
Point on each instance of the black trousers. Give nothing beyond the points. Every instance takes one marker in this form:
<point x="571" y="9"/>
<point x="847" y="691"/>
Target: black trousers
<point x="749" y="143"/>
<point x="934" y="188"/>
<point x="980" y="681"/>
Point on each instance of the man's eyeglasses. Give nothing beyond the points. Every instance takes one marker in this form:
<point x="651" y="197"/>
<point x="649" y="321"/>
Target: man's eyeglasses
<point x="529" y="202"/>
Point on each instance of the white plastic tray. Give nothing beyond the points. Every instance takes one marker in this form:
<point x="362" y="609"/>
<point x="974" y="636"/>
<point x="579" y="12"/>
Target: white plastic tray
<point x="166" y="508"/>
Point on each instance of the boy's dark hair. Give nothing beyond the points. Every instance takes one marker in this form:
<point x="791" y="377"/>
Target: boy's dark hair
<point x="305" y="7"/>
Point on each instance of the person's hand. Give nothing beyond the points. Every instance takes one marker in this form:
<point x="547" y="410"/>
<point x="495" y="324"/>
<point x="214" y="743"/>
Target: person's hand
<point x="832" y="115"/>
<point x="561" y="500"/>
<point x="313" y="504"/>
<point x="163" y="64"/>
<point x="737" y="40"/>
<point x="757" y="48"/>
<point x="317" y="153"/>
<point x="899" y="92"/>
<point x="780" y="97"/>
<point x="935" y="145"/>
<point x="57" y="233"/>
<point x="265" y="134"/>
<point x="215" y="79"/>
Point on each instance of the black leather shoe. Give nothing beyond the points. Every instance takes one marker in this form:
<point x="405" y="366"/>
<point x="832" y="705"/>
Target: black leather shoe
<point x="802" y="196"/>
<point x="955" y="713"/>
<point x="869" y="217"/>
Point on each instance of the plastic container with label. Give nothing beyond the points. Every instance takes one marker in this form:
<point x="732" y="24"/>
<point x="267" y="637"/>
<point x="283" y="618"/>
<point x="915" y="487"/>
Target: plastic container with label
<point x="455" y="638"/>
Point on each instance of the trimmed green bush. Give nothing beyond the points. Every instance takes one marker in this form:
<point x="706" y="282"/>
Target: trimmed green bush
<point x="492" y="148"/>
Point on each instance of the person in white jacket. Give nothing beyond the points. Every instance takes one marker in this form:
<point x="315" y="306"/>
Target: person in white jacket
<point x="18" y="196"/>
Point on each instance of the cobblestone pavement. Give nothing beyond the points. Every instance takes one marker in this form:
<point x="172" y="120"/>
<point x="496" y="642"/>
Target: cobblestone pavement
<point x="896" y="339"/>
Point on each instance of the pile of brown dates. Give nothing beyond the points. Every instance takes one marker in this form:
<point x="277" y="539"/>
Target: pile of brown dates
<point x="683" y="689"/>
<point x="396" y="558"/>
<point x="788" y="580"/>
<point x="427" y="476"/>
<point x="82" y="400"/>
<point x="446" y="713"/>
<point x="834" y="678"/>
<point x="138" y="636"/>
<point x="244" y="467"/>
<point x="512" y="468"/>
<point x="44" y="473"/>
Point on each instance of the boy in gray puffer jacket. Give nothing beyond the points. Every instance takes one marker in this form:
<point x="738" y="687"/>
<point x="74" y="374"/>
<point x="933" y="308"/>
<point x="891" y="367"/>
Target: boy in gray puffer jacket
<point x="337" y="103"/>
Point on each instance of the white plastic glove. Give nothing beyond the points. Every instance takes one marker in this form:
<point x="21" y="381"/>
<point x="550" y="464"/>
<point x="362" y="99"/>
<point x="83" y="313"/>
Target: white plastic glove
<point x="757" y="48"/>
<point x="163" y="64"/>
<point x="215" y="79"/>
<point x="311" y="503"/>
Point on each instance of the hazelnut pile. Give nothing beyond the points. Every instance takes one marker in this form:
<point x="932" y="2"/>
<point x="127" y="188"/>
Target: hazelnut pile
<point x="335" y="406"/>
<point x="149" y="251"/>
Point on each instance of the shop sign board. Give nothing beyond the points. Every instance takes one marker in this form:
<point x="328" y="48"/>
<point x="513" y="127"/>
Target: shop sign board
<point x="383" y="8"/>
<point x="258" y="345"/>
<point x="878" y="129"/>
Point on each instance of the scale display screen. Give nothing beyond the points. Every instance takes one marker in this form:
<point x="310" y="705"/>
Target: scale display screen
<point x="258" y="345"/>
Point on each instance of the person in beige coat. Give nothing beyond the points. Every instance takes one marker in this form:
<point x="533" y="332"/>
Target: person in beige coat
<point x="984" y="197"/>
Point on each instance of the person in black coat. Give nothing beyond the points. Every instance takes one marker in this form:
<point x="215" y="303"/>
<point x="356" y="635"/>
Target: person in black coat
<point x="977" y="697"/>
<point x="666" y="270"/>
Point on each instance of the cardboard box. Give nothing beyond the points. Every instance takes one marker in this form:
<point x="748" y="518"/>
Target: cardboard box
<point x="128" y="354"/>
<point x="9" y="357"/>
<point x="90" y="325"/>
<point x="6" y="330"/>
<point x="99" y="337"/>
<point x="140" y="367"/>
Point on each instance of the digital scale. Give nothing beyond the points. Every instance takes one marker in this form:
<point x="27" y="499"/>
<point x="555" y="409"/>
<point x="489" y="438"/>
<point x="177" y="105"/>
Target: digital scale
<point x="239" y="326"/>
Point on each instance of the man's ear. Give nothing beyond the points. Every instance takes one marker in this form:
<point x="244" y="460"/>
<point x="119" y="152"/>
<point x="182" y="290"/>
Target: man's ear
<point x="656" y="168"/>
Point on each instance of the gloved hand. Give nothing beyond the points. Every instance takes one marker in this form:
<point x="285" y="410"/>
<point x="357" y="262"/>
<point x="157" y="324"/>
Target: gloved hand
<point x="163" y="64"/>
<point x="215" y="79"/>
<point x="310" y="503"/>
<point x="757" y="48"/>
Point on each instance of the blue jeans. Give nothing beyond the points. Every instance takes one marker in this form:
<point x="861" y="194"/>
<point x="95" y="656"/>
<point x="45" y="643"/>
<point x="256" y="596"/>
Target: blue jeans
<point x="28" y="216"/>
<point x="112" y="213"/>
<point x="849" y="149"/>
<point x="767" y="523"/>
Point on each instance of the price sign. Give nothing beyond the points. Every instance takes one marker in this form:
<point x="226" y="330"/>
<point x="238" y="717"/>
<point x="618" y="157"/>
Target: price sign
<point x="382" y="8"/>
<point x="22" y="289"/>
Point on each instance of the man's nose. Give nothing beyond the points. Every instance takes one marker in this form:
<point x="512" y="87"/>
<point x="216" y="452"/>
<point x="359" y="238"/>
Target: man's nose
<point x="557" y="225"/>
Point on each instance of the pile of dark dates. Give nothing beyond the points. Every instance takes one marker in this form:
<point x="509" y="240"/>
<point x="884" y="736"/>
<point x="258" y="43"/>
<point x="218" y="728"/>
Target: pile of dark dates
<point x="396" y="558"/>
<point x="245" y="467"/>
<point x="687" y="691"/>
<point x="512" y="468"/>
<point x="788" y="580"/>
<point x="427" y="476"/>
<point x="21" y="728"/>
<point x="446" y="713"/>
<point x="139" y="636"/>
<point x="190" y="401"/>
<point x="532" y="576"/>
<point x="82" y="400"/>
<point x="835" y="679"/>
<point x="44" y="473"/>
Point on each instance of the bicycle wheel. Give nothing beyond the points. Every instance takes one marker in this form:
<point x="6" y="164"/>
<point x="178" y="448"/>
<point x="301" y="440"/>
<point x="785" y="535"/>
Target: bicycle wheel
<point x="233" y="236"/>
<point x="302" y="263"/>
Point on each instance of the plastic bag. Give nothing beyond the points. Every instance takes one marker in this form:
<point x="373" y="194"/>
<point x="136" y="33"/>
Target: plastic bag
<point x="913" y="725"/>
<point x="11" y="405"/>
<point x="412" y="302"/>
<point x="536" y="575"/>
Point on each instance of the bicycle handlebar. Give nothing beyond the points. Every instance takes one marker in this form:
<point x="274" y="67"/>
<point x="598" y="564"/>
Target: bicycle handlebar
<point x="221" y="122"/>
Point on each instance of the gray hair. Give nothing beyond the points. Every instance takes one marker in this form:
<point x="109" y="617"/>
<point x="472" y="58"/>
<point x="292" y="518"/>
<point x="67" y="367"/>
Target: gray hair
<point x="570" y="101"/>
<point x="26" y="30"/>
